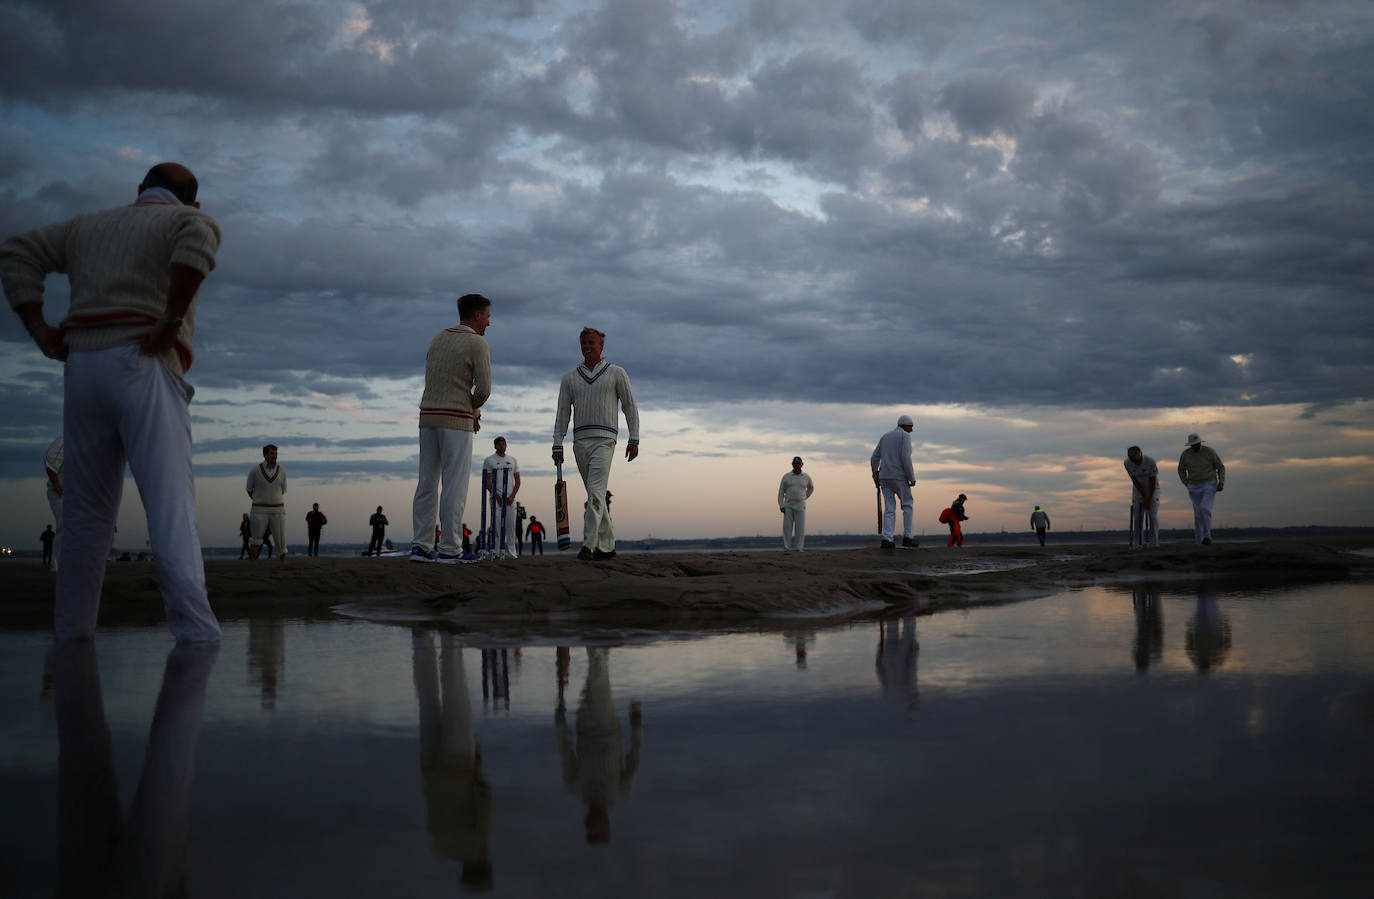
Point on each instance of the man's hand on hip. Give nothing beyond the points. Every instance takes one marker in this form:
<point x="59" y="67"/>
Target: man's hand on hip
<point x="160" y="339"/>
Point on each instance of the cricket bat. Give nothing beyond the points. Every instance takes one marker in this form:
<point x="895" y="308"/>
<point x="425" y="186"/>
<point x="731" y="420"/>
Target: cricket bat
<point x="560" y="506"/>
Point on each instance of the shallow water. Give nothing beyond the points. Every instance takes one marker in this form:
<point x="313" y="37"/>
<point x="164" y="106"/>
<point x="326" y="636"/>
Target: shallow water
<point x="1088" y="744"/>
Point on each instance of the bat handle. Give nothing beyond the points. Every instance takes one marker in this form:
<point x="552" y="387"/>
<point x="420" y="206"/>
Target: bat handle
<point x="559" y="466"/>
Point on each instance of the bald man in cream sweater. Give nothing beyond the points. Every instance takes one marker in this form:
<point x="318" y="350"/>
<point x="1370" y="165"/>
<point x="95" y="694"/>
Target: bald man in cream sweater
<point x="135" y="272"/>
<point x="593" y="395"/>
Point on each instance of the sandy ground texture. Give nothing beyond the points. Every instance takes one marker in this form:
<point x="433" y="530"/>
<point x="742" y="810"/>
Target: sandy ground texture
<point x="689" y="591"/>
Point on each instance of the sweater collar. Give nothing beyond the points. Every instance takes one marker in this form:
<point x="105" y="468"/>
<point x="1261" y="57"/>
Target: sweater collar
<point x="157" y="196"/>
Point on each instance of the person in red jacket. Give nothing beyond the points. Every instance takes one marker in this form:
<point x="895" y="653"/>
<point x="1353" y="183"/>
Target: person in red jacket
<point x="952" y="516"/>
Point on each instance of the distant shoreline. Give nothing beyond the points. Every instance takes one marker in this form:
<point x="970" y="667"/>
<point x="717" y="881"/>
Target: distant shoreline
<point x="833" y="541"/>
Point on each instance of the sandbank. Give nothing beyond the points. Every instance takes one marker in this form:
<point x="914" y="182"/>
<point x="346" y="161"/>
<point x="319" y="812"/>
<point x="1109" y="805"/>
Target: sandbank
<point x="689" y="591"/>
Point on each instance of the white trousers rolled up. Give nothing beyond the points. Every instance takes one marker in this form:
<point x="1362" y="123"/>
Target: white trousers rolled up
<point x="445" y="467"/>
<point x="594" y="456"/>
<point x="895" y="489"/>
<point x="1203" y="496"/>
<point x="260" y="518"/>
<point x="122" y="406"/>
<point x="794" y="527"/>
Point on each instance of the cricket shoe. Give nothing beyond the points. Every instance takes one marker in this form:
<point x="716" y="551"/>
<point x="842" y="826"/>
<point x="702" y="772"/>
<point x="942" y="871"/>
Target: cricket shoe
<point x="599" y="556"/>
<point x="908" y="543"/>
<point x="420" y="555"/>
<point x="446" y="559"/>
<point x="585" y="554"/>
<point x="888" y="545"/>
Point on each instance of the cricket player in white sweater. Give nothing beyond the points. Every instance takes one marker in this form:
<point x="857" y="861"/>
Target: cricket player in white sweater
<point x="793" y="492"/>
<point x="593" y="396"/>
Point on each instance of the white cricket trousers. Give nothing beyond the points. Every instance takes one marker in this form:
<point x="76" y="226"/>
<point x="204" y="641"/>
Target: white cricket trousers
<point x="594" y="456"/>
<point x="1203" y="496"/>
<point x="445" y="458"/>
<point x="122" y="406"/>
<point x="794" y="527"/>
<point x="895" y="489"/>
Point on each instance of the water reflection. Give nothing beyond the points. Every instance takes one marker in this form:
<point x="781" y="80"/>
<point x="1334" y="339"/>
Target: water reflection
<point x="896" y="662"/>
<point x="800" y="642"/>
<point x="266" y="657"/>
<point x="593" y="764"/>
<point x="458" y="801"/>
<point x="495" y="679"/>
<point x="1148" y="648"/>
<point x="1207" y="637"/>
<point x="97" y="853"/>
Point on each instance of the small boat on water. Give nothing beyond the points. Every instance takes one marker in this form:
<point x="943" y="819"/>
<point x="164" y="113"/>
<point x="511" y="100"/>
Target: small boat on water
<point x="649" y="544"/>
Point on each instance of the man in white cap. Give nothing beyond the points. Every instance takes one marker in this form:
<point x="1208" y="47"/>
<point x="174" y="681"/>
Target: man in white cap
<point x="1201" y="471"/>
<point x="793" y="492"/>
<point x="894" y="476"/>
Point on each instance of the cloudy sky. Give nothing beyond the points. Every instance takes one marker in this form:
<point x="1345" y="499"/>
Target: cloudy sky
<point x="1048" y="230"/>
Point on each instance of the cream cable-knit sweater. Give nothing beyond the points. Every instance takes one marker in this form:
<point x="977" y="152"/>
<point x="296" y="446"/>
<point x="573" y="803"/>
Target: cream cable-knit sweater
<point x="457" y="379"/>
<point x="593" y="396"/>
<point x="267" y="488"/>
<point x="118" y="262"/>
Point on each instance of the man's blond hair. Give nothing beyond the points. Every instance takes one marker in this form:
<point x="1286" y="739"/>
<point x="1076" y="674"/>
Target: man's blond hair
<point x="590" y="330"/>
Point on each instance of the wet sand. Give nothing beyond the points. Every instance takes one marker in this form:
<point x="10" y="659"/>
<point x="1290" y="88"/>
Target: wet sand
<point x="696" y="591"/>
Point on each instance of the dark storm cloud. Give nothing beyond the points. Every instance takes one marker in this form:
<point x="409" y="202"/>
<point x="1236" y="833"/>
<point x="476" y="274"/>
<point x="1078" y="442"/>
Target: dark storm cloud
<point x="283" y="54"/>
<point x="929" y="25"/>
<point x="982" y="103"/>
<point x="1079" y="205"/>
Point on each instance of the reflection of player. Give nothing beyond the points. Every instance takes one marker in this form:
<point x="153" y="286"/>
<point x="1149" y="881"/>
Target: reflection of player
<point x="1207" y="635"/>
<point x="266" y="657"/>
<point x="1149" y="627"/>
<point x="97" y="854"/>
<point x="896" y="661"/>
<point x="594" y="766"/>
<point x="457" y="798"/>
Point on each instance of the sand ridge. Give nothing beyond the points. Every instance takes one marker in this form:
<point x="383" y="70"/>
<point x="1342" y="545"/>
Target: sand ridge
<point x="700" y="591"/>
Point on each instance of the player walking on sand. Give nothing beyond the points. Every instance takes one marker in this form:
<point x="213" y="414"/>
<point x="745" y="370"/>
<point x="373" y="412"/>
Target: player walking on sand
<point x="593" y="395"/>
